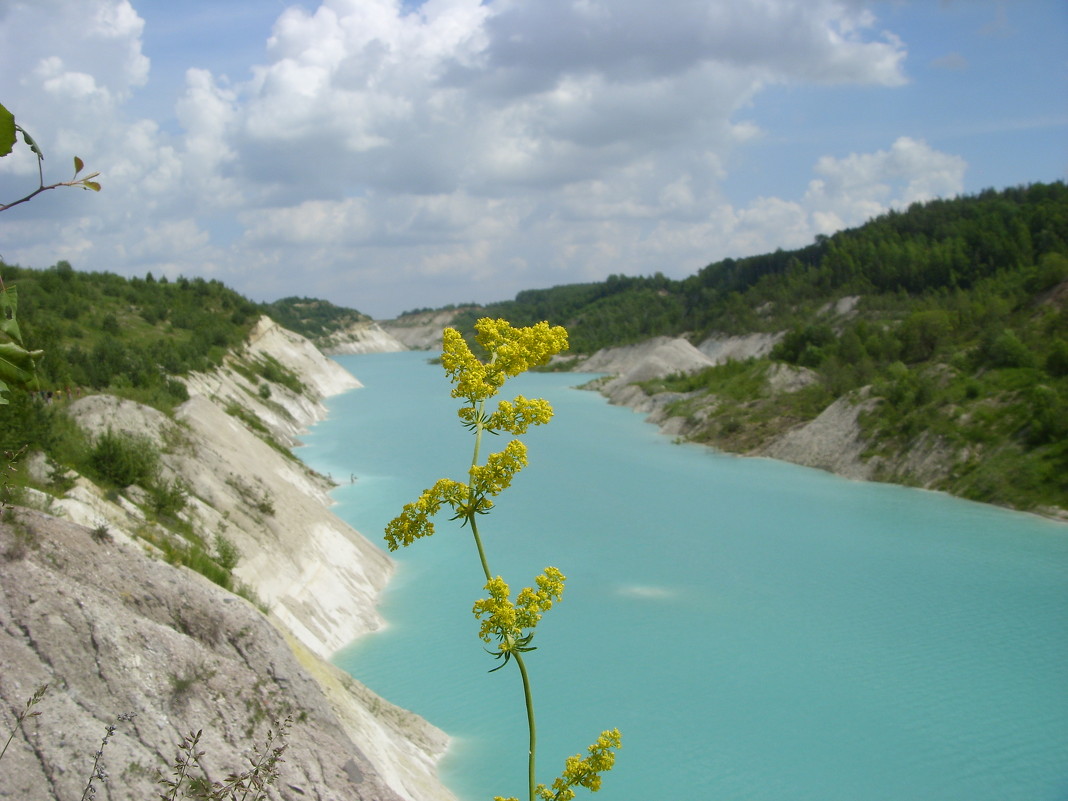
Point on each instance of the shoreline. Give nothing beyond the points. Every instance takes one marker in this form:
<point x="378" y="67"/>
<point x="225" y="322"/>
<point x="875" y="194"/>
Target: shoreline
<point x="832" y="441"/>
<point x="672" y="426"/>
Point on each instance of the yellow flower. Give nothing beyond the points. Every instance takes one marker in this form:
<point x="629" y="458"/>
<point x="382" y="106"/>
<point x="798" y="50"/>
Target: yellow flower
<point x="586" y="771"/>
<point x="414" y="520"/>
<point x="496" y="474"/>
<point x="517" y="416"/>
<point x="507" y="622"/>
<point x="511" y="351"/>
<point x="473" y="379"/>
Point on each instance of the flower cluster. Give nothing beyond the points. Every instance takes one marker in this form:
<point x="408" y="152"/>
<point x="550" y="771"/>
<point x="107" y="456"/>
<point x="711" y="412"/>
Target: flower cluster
<point x="581" y="771"/>
<point x="495" y="476"/>
<point x="508" y="622"/>
<point x="466" y="500"/>
<point x="584" y="771"/>
<point x="414" y="520"/>
<point x="511" y="351"/>
<point x="514" y="416"/>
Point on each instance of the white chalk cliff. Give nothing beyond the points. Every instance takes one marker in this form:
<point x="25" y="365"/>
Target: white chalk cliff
<point x="318" y="577"/>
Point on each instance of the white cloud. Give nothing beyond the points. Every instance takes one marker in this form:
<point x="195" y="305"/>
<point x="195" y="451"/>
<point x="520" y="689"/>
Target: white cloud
<point x="459" y="150"/>
<point x="862" y="185"/>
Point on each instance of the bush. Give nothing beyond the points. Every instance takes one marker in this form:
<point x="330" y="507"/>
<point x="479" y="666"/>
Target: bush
<point x="1007" y="350"/>
<point x="124" y="459"/>
<point x="227" y="554"/>
<point x="1057" y="360"/>
<point x="167" y="498"/>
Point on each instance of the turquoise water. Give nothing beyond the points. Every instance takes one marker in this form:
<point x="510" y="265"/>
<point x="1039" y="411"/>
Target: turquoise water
<point x="757" y="630"/>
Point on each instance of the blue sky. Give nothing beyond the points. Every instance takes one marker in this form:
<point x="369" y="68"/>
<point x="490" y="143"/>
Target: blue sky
<point x="388" y="155"/>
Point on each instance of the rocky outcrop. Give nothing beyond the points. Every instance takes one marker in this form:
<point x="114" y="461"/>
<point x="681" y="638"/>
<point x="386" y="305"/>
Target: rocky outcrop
<point x="420" y="331"/>
<point x="832" y="441"/>
<point x="625" y="367"/>
<point x="114" y="628"/>
<point x="367" y="337"/>
<point x="721" y="349"/>
<point x="285" y="412"/>
<point x="653" y="358"/>
<point x="319" y="577"/>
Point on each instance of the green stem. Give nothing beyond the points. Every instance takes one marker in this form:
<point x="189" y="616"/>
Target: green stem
<point x="531" y="728"/>
<point x="480" y="409"/>
<point x="478" y="544"/>
<point x="530" y="723"/>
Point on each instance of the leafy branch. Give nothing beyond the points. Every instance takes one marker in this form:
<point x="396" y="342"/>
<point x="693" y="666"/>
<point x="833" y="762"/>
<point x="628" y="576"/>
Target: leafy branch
<point x="9" y="131"/>
<point x="18" y="366"/>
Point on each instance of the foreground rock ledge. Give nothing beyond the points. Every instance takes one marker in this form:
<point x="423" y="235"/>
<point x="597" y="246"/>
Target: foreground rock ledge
<point x="111" y="630"/>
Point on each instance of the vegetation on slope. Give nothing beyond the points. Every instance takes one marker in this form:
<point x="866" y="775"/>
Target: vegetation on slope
<point x="312" y="318"/>
<point x="133" y="338"/>
<point x="951" y="314"/>
<point x="130" y="336"/>
<point x="940" y="246"/>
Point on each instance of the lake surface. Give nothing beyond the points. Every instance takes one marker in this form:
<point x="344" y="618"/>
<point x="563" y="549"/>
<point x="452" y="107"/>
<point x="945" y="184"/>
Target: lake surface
<point x="757" y="630"/>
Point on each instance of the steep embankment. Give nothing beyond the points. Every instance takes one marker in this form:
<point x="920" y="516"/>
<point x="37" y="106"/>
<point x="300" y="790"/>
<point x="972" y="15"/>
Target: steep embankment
<point x="830" y="438"/>
<point x="364" y="337"/>
<point x="832" y="441"/>
<point x="421" y="330"/>
<point x="113" y="628"/>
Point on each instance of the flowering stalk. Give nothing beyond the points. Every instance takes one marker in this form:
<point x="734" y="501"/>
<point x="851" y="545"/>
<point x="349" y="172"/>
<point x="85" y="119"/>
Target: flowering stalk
<point x="507" y="623"/>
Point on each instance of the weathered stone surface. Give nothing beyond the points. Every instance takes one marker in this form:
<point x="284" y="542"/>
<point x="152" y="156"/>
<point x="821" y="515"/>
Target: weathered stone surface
<point x="113" y="630"/>
<point x="832" y="441"/>
<point x="420" y="331"/>
<point x="368" y="337"/>
<point x="739" y="348"/>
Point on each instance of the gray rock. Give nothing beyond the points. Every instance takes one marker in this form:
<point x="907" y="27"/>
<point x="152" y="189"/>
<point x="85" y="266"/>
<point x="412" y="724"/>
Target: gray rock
<point x="111" y="630"/>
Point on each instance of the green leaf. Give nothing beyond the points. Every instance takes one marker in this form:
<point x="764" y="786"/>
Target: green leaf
<point x="9" y="327"/>
<point x="7" y="131"/>
<point x="18" y="366"/>
<point x="31" y="142"/>
<point x="91" y="185"/>
<point x="79" y="165"/>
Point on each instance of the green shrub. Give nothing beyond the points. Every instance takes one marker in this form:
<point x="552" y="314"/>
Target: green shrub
<point x="273" y="370"/>
<point x="167" y="498"/>
<point x="1057" y="360"/>
<point x="227" y="554"/>
<point x="1007" y="350"/>
<point x="123" y="459"/>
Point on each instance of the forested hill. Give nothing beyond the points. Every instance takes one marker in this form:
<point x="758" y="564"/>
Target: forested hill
<point x="311" y="317"/>
<point x="942" y="328"/>
<point x="939" y="248"/>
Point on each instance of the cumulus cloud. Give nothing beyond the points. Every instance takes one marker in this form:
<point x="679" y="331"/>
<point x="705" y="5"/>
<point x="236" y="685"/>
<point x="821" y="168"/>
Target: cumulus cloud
<point x="453" y="149"/>
<point x="862" y="185"/>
